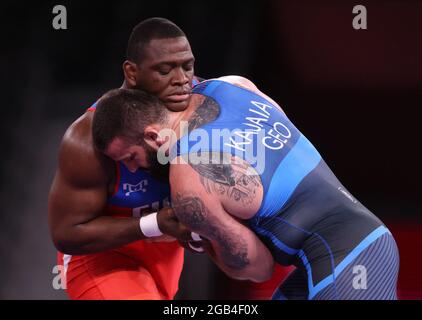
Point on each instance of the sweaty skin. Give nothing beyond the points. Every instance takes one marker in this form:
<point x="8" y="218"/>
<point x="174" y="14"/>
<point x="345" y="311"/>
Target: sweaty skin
<point x="85" y="178"/>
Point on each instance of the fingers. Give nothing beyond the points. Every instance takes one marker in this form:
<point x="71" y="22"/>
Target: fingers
<point x="168" y="212"/>
<point x="195" y="236"/>
<point x="195" y="245"/>
<point x="184" y="233"/>
<point x="196" y="249"/>
<point x="163" y="238"/>
<point x="169" y="224"/>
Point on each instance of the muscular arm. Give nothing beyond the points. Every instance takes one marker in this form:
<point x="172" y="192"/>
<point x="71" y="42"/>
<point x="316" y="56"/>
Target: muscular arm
<point x="78" y="197"/>
<point x="236" y="249"/>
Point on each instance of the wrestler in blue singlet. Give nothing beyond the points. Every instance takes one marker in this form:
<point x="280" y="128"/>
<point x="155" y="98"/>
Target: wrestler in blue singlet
<point x="307" y="217"/>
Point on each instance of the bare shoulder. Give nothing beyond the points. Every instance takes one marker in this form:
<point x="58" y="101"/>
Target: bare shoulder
<point x="248" y="84"/>
<point x="240" y="81"/>
<point x="79" y="163"/>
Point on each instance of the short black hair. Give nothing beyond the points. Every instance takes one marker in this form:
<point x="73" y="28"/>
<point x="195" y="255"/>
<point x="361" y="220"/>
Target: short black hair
<point x="147" y="30"/>
<point x="125" y="113"/>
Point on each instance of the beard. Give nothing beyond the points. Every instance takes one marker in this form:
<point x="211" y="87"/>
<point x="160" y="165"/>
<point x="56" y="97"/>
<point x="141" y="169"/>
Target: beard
<point x="155" y="168"/>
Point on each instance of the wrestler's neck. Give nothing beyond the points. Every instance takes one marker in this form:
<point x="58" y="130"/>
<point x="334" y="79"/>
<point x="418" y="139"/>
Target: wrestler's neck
<point x="126" y="85"/>
<point x="178" y="120"/>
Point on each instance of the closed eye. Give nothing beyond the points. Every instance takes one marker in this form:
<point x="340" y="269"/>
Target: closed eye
<point x="188" y="67"/>
<point x="164" y="72"/>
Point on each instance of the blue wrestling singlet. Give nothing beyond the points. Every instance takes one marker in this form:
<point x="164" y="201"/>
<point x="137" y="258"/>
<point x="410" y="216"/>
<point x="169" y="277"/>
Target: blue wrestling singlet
<point x="307" y="217"/>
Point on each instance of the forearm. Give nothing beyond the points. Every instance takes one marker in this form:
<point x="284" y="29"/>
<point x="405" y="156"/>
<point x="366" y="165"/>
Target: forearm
<point x="100" y="234"/>
<point x="235" y="248"/>
<point x="242" y="256"/>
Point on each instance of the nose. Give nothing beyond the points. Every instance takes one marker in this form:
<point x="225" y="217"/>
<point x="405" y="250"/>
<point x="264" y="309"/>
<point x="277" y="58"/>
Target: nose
<point x="180" y="77"/>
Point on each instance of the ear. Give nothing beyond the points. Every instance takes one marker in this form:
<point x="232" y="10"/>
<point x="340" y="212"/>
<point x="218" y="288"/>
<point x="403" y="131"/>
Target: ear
<point x="152" y="137"/>
<point x="130" y="70"/>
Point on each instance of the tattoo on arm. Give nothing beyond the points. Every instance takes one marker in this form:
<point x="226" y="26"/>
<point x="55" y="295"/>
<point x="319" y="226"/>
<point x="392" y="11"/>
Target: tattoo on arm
<point x="206" y="112"/>
<point x="219" y="175"/>
<point x="234" y="180"/>
<point x="192" y="212"/>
